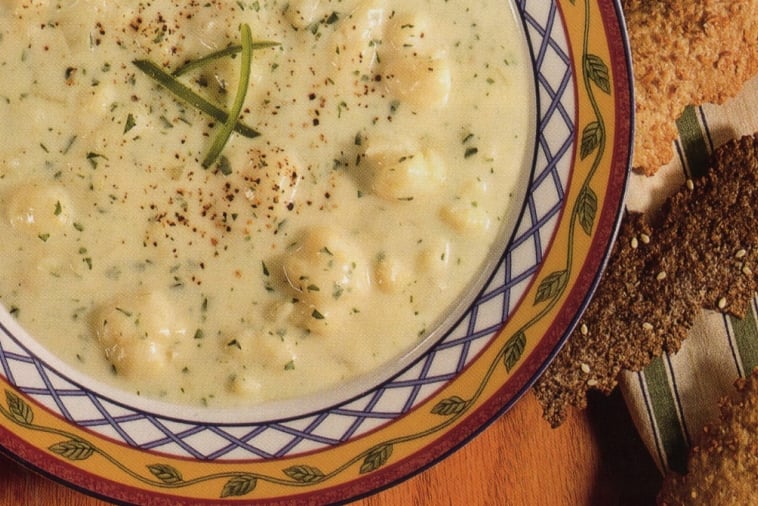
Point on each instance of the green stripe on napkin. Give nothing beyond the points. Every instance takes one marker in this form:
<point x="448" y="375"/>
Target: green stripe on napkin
<point x="674" y="397"/>
<point x="744" y="332"/>
<point x="666" y="415"/>
<point x="694" y="156"/>
<point x="669" y="433"/>
<point x="693" y="142"/>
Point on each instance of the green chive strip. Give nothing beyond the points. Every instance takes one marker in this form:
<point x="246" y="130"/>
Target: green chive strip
<point x="187" y="95"/>
<point x="228" y="51"/>
<point x="222" y="137"/>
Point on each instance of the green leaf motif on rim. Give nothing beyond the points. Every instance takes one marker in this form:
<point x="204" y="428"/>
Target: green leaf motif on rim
<point x="165" y="473"/>
<point x="592" y="136"/>
<point x="20" y="411"/>
<point x="240" y="485"/>
<point x="552" y="286"/>
<point x="305" y="474"/>
<point x="587" y="209"/>
<point x="450" y="406"/>
<point x="514" y="348"/>
<point x="73" y="449"/>
<point x="376" y="458"/>
<point x="597" y="72"/>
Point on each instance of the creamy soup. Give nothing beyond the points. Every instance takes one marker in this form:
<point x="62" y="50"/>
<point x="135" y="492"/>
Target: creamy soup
<point x="391" y="135"/>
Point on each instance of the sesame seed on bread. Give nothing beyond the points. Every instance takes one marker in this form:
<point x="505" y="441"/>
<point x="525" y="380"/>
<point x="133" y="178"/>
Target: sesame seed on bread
<point x="700" y="250"/>
<point x="722" y="467"/>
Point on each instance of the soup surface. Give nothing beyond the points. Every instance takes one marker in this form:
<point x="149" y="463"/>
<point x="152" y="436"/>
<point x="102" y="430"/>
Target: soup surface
<point x="392" y="134"/>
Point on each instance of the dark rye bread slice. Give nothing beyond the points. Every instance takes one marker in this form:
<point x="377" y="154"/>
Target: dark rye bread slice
<point x="698" y="251"/>
<point x="722" y="467"/>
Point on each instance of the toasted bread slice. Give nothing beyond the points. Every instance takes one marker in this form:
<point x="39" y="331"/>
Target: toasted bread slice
<point x="685" y="53"/>
<point x="722" y="467"/>
<point x="700" y="250"/>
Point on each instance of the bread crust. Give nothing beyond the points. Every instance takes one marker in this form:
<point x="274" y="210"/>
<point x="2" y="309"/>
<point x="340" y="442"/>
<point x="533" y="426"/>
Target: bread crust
<point x="685" y="53"/>
<point x="699" y="251"/>
<point x="722" y="468"/>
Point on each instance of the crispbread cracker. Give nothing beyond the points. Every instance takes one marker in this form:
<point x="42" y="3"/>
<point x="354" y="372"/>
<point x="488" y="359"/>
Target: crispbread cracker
<point x="699" y="251"/>
<point x="685" y="53"/>
<point x="722" y="467"/>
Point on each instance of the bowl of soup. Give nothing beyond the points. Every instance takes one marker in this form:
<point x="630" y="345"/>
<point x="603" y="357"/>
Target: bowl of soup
<point x="243" y="233"/>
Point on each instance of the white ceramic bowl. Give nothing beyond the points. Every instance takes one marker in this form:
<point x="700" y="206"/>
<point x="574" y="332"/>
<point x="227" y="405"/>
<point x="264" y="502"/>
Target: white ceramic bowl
<point x="383" y="426"/>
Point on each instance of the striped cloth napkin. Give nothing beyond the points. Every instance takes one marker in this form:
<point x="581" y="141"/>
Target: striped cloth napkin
<point x="676" y="395"/>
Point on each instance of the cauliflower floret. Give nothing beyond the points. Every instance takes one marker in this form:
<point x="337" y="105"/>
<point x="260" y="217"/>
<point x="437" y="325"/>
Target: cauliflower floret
<point x="390" y="274"/>
<point x="407" y="31"/>
<point x="326" y="267"/>
<point x="356" y="40"/>
<point x="403" y="173"/>
<point x="97" y="103"/>
<point x="328" y="274"/>
<point x="302" y="13"/>
<point x="244" y="384"/>
<point x="272" y="178"/>
<point x="465" y="215"/>
<point x="434" y="259"/>
<point x="261" y="348"/>
<point x="138" y="333"/>
<point x="40" y="209"/>
<point x="422" y="81"/>
<point x="320" y="319"/>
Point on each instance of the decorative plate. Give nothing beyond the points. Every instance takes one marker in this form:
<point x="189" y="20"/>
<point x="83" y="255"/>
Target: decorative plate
<point x="475" y="372"/>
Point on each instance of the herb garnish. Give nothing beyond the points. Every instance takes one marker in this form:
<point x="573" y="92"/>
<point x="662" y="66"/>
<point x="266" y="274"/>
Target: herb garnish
<point x="216" y="55"/>
<point x="222" y="137"/>
<point x="130" y="123"/>
<point x="181" y="92"/>
<point x="230" y="120"/>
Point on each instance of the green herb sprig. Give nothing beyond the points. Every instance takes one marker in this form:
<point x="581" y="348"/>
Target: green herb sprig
<point x="230" y="121"/>
<point x="185" y="94"/>
<point x="217" y="55"/>
<point x="222" y="137"/>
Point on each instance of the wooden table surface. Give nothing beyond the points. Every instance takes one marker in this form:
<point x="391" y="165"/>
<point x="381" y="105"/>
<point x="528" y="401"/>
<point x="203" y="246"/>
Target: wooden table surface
<point x="596" y="457"/>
